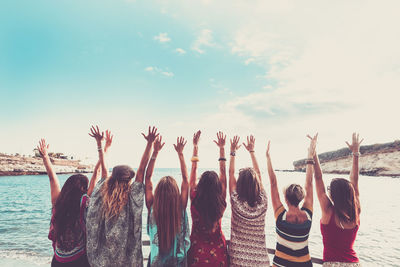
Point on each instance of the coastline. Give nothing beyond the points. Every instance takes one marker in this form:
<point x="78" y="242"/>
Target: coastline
<point x="17" y="165"/>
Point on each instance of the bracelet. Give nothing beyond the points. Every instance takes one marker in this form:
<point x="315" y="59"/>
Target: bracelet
<point x="357" y="154"/>
<point x="99" y="148"/>
<point x="222" y="159"/>
<point x="251" y="151"/>
<point x="195" y="159"/>
<point x="310" y="161"/>
<point x="153" y="158"/>
<point x="233" y="153"/>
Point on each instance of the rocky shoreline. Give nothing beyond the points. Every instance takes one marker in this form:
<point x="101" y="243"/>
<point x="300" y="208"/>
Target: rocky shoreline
<point x="375" y="160"/>
<point x="14" y="165"/>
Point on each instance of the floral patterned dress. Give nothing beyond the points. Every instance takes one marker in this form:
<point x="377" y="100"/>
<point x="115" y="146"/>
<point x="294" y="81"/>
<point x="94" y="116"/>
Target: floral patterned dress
<point x="208" y="248"/>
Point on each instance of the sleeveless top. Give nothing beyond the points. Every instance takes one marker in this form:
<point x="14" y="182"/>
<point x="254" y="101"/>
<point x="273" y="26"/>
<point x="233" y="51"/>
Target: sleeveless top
<point x="206" y="247"/>
<point x="292" y="240"/>
<point x="338" y="242"/>
<point x="76" y="247"/>
<point x="248" y="246"/>
<point x="115" y="242"/>
<point x="177" y="256"/>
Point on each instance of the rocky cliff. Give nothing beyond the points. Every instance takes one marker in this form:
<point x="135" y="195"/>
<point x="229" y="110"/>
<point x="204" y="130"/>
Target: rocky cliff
<point x="19" y="165"/>
<point x="375" y="160"/>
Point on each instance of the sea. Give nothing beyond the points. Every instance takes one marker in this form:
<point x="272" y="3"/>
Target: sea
<point x="25" y="210"/>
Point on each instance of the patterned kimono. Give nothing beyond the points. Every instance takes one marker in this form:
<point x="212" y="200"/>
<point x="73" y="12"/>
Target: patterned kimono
<point x="115" y="242"/>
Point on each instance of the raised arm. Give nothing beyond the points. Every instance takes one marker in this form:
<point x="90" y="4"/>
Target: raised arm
<point x="355" y="151"/>
<point x="222" y="161"/>
<point x="180" y="144"/>
<point x="232" y="179"/>
<point x="150" y="137"/>
<point x="308" y="199"/>
<point x="99" y="136"/>
<point x="95" y="176"/>
<point x="276" y="200"/>
<point x="323" y="198"/>
<point x="250" y="147"/>
<point x="195" y="159"/>
<point x="54" y="183"/>
<point x="158" y="145"/>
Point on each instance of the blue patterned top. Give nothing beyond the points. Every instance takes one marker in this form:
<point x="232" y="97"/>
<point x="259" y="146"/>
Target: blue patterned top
<point x="177" y="256"/>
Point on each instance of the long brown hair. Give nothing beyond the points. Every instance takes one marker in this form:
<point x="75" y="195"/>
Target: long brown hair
<point x="344" y="200"/>
<point x="248" y="186"/>
<point x="209" y="200"/>
<point x="67" y="228"/>
<point x="115" y="191"/>
<point x="167" y="212"/>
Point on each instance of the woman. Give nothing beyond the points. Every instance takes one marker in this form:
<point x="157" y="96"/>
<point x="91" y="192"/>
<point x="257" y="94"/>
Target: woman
<point x="208" y="245"/>
<point x="293" y="225"/>
<point x="167" y="223"/>
<point x="67" y="227"/>
<point x="340" y="213"/>
<point x="249" y="206"/>
<point x="114" y="219"/>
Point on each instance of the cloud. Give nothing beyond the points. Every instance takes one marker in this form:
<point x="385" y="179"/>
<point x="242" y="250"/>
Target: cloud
<point x="159" y="71"/>
<point x="204" y="39"/>
<point x="162" y="37"/>
<point x="334" y="76"/>
<point x="168" y="74"/>
<point x="180" y="51"/>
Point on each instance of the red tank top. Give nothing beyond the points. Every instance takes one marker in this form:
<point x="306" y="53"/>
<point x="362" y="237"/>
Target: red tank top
<point x="338" y="242"/>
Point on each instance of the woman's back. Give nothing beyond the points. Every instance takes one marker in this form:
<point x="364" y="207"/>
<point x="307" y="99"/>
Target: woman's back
<point x="176" y="256"/>
<point x="73" y="243"/>
<point x="338" y="242"/>
<point x="248" y="246"/>
<point x="292" y="238"/>
<point x="208" y="246"/>
<point x="116" y="241"/>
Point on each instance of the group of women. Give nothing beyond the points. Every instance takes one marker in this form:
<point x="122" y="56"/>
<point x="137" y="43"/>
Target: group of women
<point x="99" y="222"/>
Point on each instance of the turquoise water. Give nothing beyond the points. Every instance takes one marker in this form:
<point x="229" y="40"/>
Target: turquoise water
<point x="25" y="211"/>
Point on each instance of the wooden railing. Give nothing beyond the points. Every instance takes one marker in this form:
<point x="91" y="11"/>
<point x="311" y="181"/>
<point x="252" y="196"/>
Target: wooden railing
<point x="270" y="251"/>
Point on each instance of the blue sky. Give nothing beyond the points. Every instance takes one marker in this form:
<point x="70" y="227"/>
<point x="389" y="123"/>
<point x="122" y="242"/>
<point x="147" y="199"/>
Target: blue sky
<point x="278" y="70"/>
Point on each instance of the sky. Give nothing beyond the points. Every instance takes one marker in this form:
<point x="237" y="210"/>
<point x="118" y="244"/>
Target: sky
<point x="277" y="69"/>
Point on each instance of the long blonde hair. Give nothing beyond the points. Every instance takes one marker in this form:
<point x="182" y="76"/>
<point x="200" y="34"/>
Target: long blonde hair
<point x="167" y="212"/>
<point x="115" y="191"/>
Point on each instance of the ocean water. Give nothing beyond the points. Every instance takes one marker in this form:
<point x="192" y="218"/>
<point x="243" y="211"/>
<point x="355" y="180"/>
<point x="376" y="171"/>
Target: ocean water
<point x="25" y="211"/>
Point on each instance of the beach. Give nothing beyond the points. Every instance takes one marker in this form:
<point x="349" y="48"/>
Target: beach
<point x="25" y="211"/>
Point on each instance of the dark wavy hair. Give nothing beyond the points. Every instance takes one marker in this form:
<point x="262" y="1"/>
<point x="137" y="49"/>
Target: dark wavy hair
<point x="67" y="227"/>
<point x="344" y="200"/>
<point x="248" y="186"/>
<point x="209" y="201"/>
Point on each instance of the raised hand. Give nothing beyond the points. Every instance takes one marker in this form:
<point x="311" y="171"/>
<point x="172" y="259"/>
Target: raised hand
<point x="220" y="139"/>
<point x="43" y="148"/>
<point x="313" y="145"/>
<point x="109" y="139"/>
<point x="269" y="142"/>
<point x="180" y="144"/>
<point x="250" y="143"/>
<point x="196" y="138"/>
<point x="234" y="143"/>
<point x="158" y="144"/>
<point x="95" y="133"/>
<point x="152" y="135"/>
<point x="355" y="145"/>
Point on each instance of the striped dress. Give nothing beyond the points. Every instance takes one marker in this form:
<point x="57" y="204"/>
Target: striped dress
<point x="292" y="240"/>
<point x="248" y="246"/>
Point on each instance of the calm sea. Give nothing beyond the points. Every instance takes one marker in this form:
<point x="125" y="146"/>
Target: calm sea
<point x="25" y="211"/>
